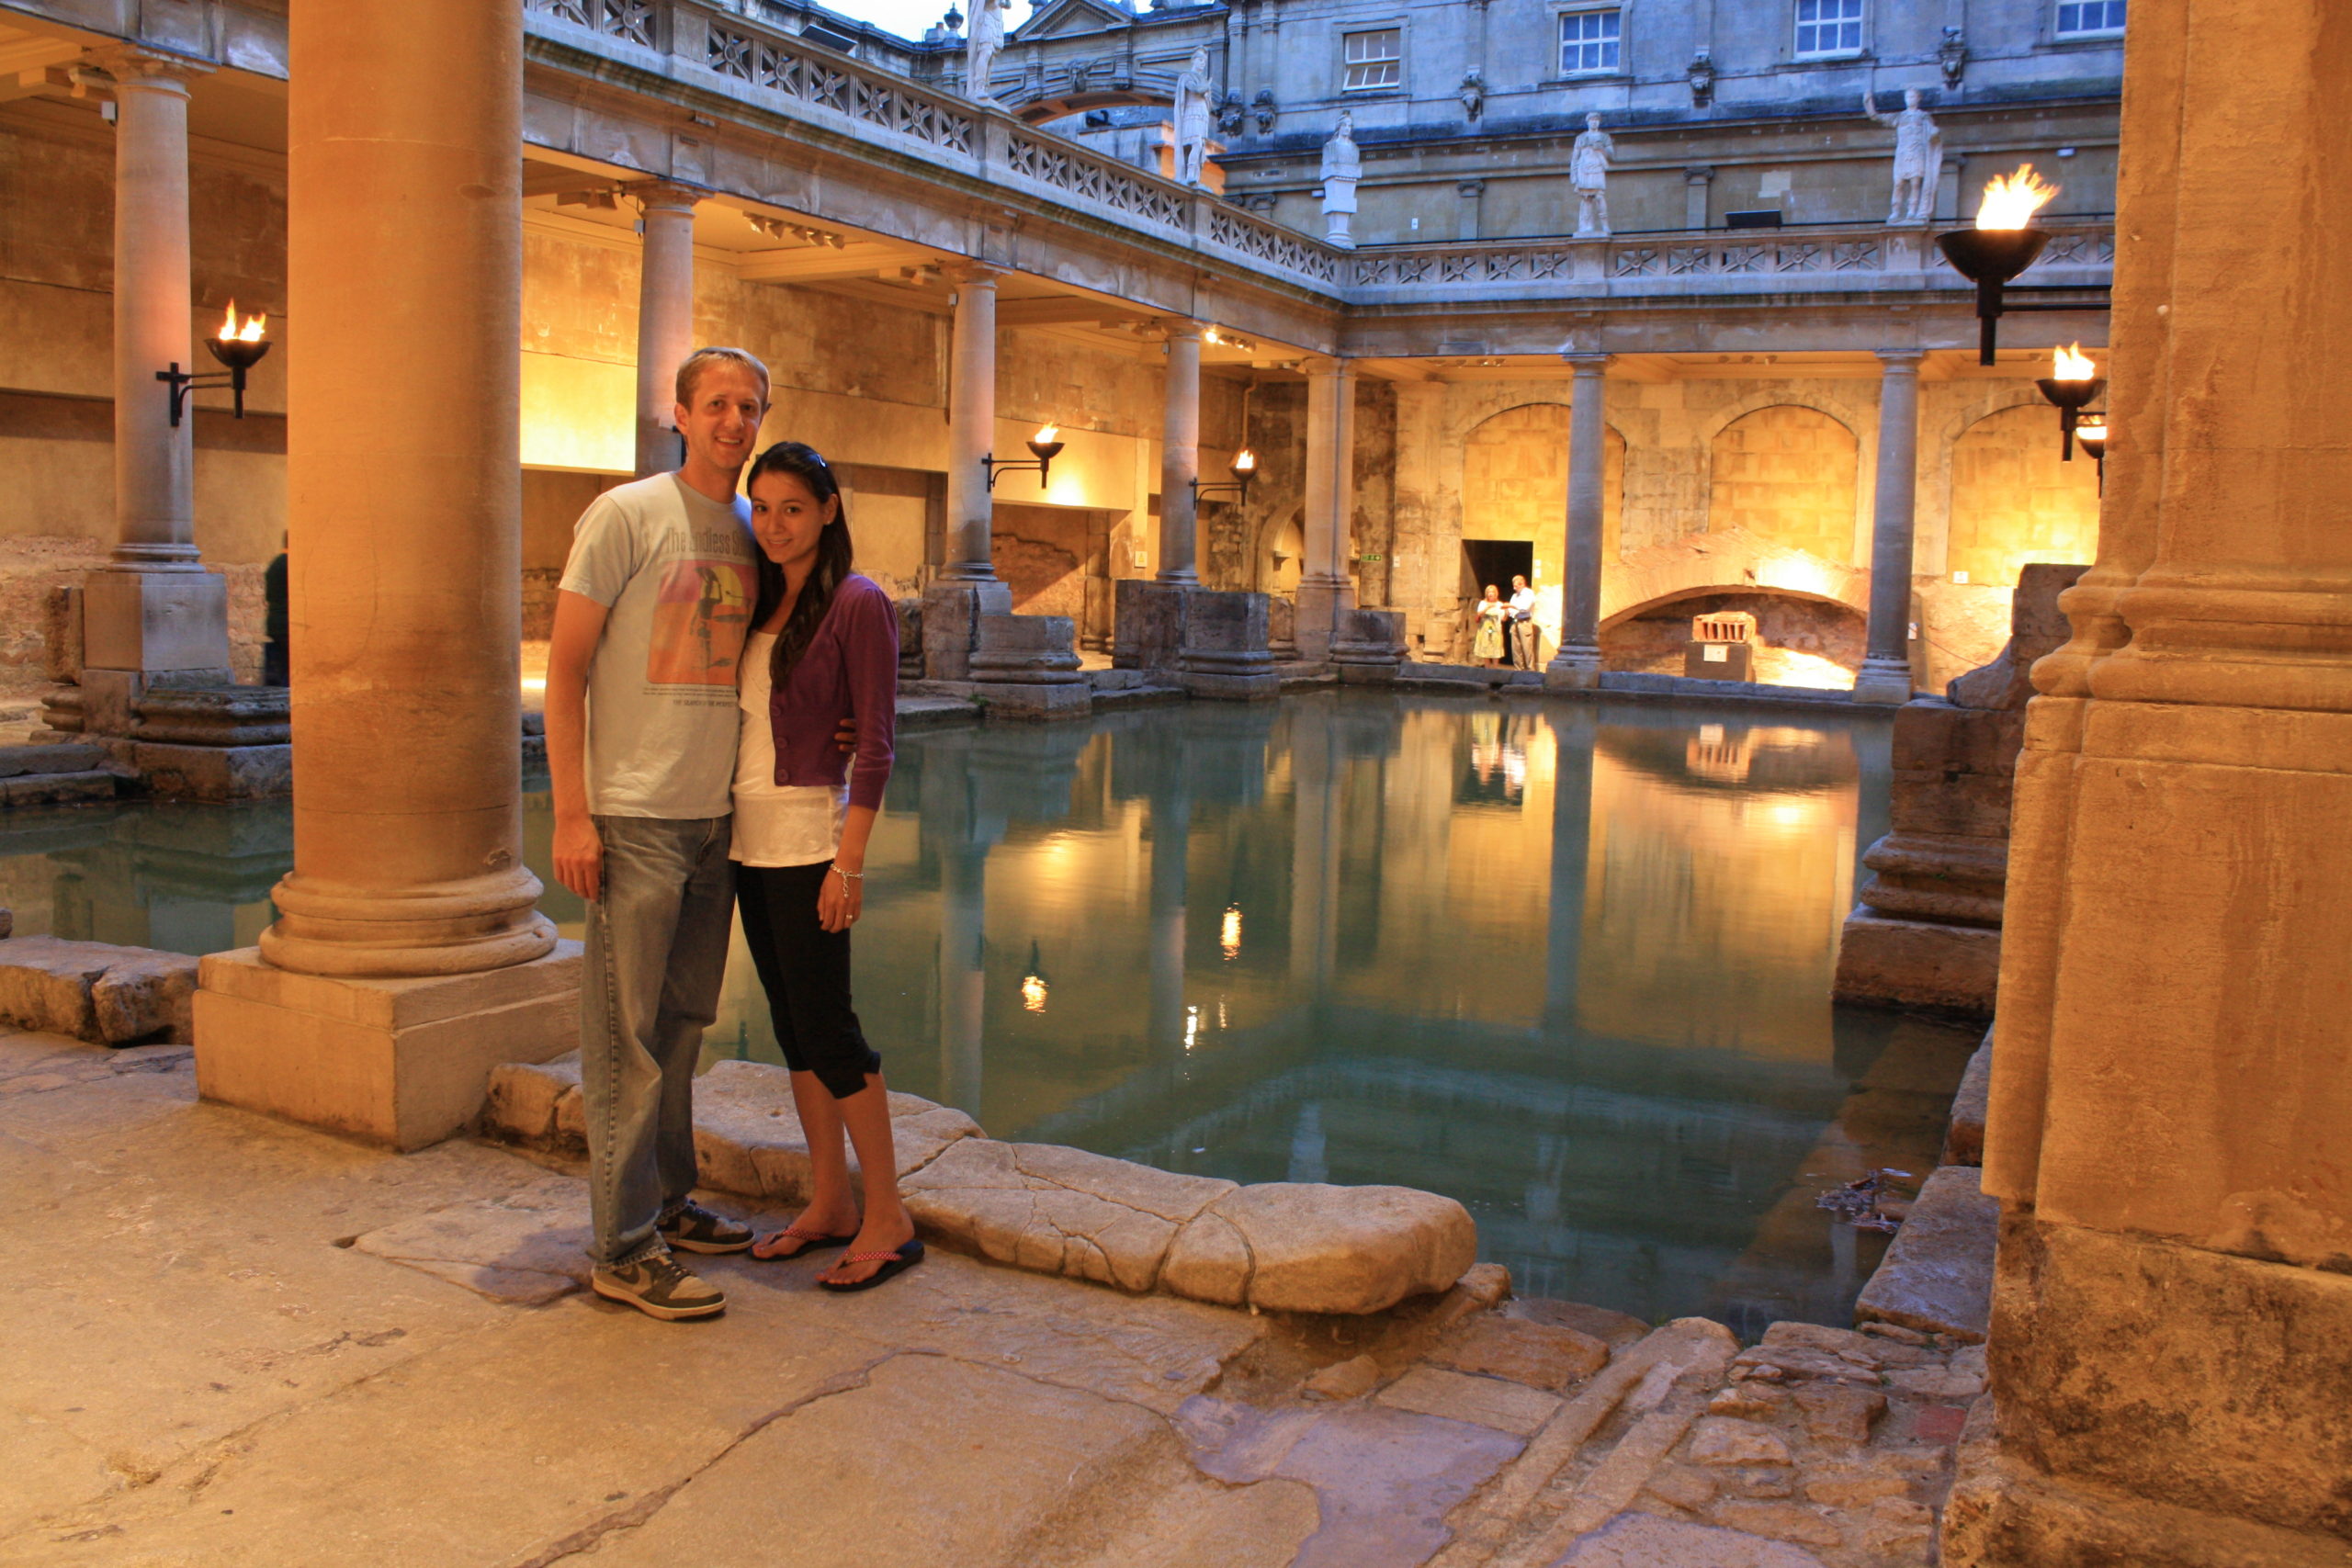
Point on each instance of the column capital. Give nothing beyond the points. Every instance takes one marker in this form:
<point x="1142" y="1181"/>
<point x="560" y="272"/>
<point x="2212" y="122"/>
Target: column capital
<point x="1168" y="329"/>
<point x="964" y="273"/>
<point x="1698" y="174"/>
<point x="664" y="193"/>
<point x="1470" y="188"/>
<point x="1901" y="361"/>
<point x="1587" y="363"/>
<point x="133" y="66"/>
<point x="1327" y="364"/>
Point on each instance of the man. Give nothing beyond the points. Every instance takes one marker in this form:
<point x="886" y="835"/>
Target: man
<point x="650" y="620"/>
<point x="1525" y="633"/>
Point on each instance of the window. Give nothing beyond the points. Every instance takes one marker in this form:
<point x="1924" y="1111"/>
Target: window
<point x="1589" y="41"/>
<point x="1828" y="27"/>
<point x="2081" y="18"/>
<point x="1375" y="60"/>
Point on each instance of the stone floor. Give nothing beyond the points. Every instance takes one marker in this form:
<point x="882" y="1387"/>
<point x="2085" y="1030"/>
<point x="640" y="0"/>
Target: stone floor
<point x="233" y="1341"/>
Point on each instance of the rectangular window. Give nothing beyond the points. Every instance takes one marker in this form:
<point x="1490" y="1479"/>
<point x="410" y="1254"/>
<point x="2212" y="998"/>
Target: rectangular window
<point x="1375" y="60"/>
<point x="1828" y="27"/>
<point x="2085" y="18"/>
<point x="1589" y="41"/>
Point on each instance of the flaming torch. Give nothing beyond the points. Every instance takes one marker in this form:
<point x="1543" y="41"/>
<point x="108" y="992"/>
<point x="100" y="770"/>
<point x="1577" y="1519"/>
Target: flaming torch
<point x="2072" y="385"/>
<point x="239" y="344"/>
<point x="1045" y="445"/>
<point x="2002" y="243"/>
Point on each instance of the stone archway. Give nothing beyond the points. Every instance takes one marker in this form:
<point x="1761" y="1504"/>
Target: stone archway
<point x="1804" y="638"/>
<point x="1789" y="474"/>
<point x="2014" y="501"/>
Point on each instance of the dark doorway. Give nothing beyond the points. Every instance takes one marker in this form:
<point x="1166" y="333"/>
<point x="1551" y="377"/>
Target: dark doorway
<point x="1496" y="561"/>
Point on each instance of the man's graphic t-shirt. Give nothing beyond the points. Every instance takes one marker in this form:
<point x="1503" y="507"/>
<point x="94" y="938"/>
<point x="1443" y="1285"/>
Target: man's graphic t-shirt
<point x="675" y="569"/>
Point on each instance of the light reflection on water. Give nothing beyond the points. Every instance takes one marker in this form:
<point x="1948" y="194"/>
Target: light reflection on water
<point x="1569" y="964"/>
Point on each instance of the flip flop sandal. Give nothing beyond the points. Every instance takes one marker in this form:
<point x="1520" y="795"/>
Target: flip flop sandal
<point x="893" y="1263"/>
<point x="811" y="1241"/>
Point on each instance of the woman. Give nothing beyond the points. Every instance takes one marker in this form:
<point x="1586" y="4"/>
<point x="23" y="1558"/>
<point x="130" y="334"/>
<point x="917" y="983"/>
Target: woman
<point x="1491" y="613"/>
<point x="824" y="646"/>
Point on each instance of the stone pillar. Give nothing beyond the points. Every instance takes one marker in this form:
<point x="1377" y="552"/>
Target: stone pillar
<point x="665" y="318"/>
<point x="153" y="614"/>
<point x="408" y="957"/>
<point x="1696" y="183"/>
<point x="1472" y="193"/>
<point x="1576" y="666"/>
<point x="2168" y="1083"/>
<point x="1325" y="591"/>
<point x="966" y="588"/>
<point x="1180" y="457"/>
<point x="1885" y="674"/>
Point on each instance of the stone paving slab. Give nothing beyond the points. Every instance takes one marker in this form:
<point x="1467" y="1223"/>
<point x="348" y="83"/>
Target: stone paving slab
<point x="1487" y="1402"/>
<point x="1645" y="1540"/>
<point x="96" y="990"/>
<point x="1938" y="1273"/>
<point x="525" y="1248"/>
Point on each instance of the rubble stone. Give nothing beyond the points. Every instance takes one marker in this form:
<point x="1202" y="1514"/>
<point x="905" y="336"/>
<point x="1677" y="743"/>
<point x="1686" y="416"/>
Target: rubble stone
<point x="1722" y="1440"/>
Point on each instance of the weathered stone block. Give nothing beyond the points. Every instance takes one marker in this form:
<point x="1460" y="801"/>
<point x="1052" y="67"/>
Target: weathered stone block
<point x="1316" y="1248"/>
<point x="16" y="761"/>
<point x="1487" y="1402"/>
<point x="1968" y="805"/>
<point x="95" y="990"/>
<point x="1917" y="964"/>
<point x="1351" y="1379"/>
<point x="1964" y="1139"/>
<point x="1931" y="736"/>
<point x="1938" y="1272"/>
<point x="57" y="789"/>
<point x="1719" y="1439"/>
<point x="1531" y="1353"/>
<point x="1839" y="1416"/>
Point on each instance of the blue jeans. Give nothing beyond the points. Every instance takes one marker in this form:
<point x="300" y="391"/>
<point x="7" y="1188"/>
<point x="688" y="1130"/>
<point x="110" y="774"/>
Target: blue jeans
<point x="657" y="952"/>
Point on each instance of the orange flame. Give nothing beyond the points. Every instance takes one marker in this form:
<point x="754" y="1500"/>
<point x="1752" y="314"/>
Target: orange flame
<point x="2011" y="200"/>
<point x="1047" y="433"/>
<point x="2073" y="365"/>
<point x="1245" y="461"/>
<point x="250" y="331"/>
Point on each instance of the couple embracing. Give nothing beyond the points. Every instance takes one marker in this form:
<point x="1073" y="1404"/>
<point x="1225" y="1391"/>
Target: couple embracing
<point x="708" y="649"/>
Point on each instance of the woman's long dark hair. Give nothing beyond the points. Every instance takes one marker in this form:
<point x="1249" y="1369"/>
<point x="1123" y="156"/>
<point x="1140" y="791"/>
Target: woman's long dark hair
<point x="833" y="557"/>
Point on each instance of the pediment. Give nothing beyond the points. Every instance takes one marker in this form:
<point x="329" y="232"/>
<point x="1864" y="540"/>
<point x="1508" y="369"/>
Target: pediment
<point x="1070" y="18"/>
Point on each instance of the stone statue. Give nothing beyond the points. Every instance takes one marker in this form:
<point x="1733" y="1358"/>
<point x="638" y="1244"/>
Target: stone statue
<point x="1195" y="97"/>
<point x="1588" y="174"/>
<point x="1918" y="157"/>
<point x="1262" y="108"/>
<point x="1342" y="167"/>
<point x="1473" y="95"/>
<point x="1233" y="115"/>
<point x="1701" y="75"/>
<point x="980" y="49"/>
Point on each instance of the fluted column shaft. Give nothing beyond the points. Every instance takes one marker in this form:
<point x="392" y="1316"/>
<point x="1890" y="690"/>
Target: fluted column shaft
<point x="1180" y="457"/>
<point x="405" y="267"/>
<point x="972" y="427"/>
<point x="665" y="319"/>
<point x="1886" y="666"/>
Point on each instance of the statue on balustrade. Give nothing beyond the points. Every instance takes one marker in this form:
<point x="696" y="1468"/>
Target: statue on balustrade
<point x="1196" y="100"/>
<point x="980" y="48"/>
<point x="1588" y="175"/>
<point x="1918" y="157"/>
<point x="1342" y="167"/>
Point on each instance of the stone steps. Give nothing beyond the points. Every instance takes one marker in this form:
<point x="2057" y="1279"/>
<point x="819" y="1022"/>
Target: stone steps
<point x="58" y="788"/>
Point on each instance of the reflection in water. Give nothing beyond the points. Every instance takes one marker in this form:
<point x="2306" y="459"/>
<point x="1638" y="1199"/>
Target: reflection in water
<point x="1567" y="962"/>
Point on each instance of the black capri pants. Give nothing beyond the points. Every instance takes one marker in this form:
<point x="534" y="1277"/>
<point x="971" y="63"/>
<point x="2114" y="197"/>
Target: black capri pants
<point x="805" y="970"/>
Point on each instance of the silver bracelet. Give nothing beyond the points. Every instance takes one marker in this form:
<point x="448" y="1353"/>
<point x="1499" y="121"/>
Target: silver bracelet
<point x="849" y="875"/>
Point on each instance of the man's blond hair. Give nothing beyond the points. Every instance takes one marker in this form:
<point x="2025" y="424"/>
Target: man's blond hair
<point x="690" y="371"/>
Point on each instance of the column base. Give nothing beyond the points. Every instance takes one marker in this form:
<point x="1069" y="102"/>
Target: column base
<point x="1576" y="668"/>
<point x="951" y="608"/>
<point x="400" y="1063"/>
<point x="1887" y="961"/>
<point x="1886" y="682"/>
<point x="155" y="622"/>
<point x="1320" y="609"/>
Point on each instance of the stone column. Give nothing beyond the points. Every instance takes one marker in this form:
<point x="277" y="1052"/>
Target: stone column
<point x="1325" y="592"/>
<point x="1180" y="457"/>
<point x="966" y="588"/>
<point x="1576" y="666"/>
<point x="408" y="956"/>
<point x="2168" y="1087"/>
<point x="154" y="614"/>
<point x="1886" y="664"/>
<point x="1696" y="183"/>
<point x="1472" y="193"/>
<point x="665" y="318"/>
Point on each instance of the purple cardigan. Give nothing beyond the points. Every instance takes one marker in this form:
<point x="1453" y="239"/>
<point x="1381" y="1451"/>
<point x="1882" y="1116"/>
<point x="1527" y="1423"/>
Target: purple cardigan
<point x="849" y="669"/>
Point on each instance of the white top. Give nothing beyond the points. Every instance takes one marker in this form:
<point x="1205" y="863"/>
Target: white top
<point x="776" y="824"/>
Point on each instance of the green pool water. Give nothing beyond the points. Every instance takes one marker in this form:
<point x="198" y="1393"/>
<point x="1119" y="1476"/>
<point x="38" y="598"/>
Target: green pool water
<point x="1567" y="962"/>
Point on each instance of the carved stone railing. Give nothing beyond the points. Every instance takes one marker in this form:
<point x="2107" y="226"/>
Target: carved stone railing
<point x="1860" y="256"/>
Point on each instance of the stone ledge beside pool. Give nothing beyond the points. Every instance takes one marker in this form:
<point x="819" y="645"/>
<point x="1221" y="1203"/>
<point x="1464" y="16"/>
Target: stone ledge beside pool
<point x="1279" y="1246"/>
<point x="96" y="990"/>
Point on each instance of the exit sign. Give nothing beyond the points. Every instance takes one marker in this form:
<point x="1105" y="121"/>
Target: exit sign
<point x="1372" y="557"/>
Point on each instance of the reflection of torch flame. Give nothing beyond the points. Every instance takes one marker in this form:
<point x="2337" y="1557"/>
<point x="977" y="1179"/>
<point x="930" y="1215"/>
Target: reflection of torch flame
<point x="2073" y="365"/>
<point x="2011" y="200"/>
<point x="1229" y="934"/>
<point x="1033" y="992"/>
<point x="230" y="332"/>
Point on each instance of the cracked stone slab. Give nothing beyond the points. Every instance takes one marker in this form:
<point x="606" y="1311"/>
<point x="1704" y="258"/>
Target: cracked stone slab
<point x="1312" y="1247"/>
<point x="1646" y="1540"/>
<point x="1938" y="1272"/>
<point x="1059" y="1211"/>
<point x="525" y="1248"/>
<point x="1385" y="1479"/>
<point x="96" y="990"/>
<point x="1488" y="1402"/>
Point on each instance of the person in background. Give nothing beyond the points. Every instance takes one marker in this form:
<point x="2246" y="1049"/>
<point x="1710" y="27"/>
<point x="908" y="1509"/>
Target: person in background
<point x="1525" y="633"/>
<point x="824" y="647"/>
<point x="274" y="618"/>
<point x="1487" y="649"/>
